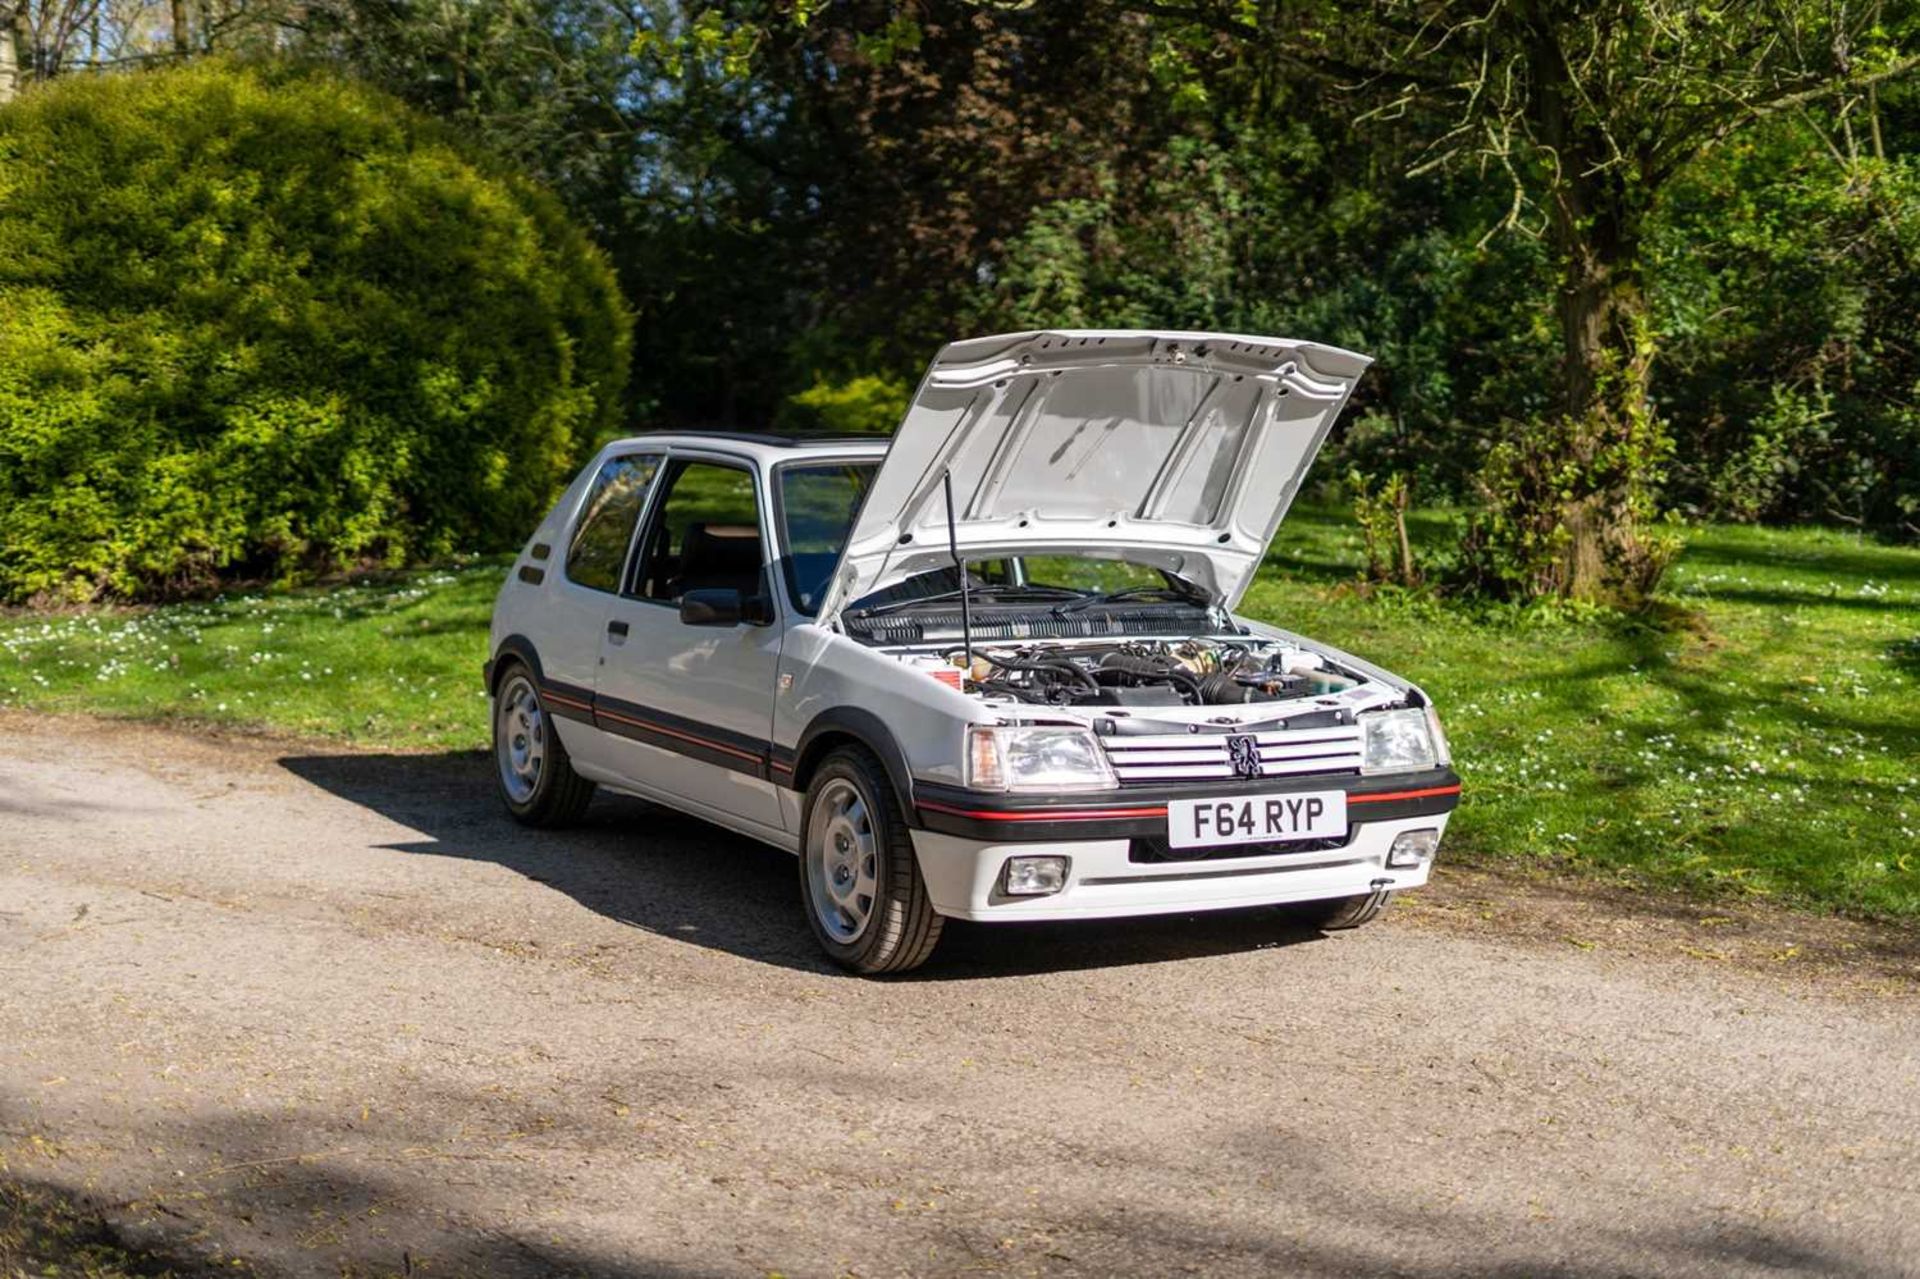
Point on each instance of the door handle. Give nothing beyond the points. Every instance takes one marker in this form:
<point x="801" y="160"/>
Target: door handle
<point x="618" y="630"/>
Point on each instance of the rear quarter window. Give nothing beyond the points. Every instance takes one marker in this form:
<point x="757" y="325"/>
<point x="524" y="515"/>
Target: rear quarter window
<point x="604" y="529"/>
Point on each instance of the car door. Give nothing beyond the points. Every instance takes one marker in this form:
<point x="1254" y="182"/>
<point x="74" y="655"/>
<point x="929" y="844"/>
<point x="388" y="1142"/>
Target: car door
<point x="689" y="709"/>
<point x="573" y="609"/>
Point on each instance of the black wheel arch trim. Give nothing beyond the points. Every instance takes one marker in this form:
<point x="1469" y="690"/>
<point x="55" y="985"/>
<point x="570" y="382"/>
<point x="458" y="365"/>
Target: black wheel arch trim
<point x="517" y="646"/>
<point x="565" y="701"/>
<point x="793" y="767"/>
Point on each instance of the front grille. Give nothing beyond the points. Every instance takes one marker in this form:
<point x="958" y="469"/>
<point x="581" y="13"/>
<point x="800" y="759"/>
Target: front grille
<point x="1153" y="848"/>
<point x="1204" y="757"/>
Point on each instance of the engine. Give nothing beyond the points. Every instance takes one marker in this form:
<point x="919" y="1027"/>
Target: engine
<point x="1146" y="673"/>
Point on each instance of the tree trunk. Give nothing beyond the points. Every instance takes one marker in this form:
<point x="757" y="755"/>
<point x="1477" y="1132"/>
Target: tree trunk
<point x="180" y="30"/>
<point x="1592" y="472"/>
<point x="1605" y="357"/>
<point x="1611" y="442"/>
<point x="13" y="50"/>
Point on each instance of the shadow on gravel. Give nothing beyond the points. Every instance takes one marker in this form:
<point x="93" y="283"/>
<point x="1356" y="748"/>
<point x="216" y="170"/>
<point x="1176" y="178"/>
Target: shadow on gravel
<point x="254" y="1213"/>
<point x="679" y="877"/>
<point x="46" y="1230"/>
<point x="52" y="1230"/>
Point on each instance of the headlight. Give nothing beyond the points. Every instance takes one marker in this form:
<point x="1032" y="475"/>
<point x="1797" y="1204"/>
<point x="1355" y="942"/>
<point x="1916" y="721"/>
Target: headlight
<point x="1442" y="753"/>
<point x="1397" y="741"/>
<point x="1019" y="758"/>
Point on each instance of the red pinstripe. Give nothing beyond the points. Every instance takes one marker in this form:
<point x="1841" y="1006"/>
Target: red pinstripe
<point x="685" y="737"/>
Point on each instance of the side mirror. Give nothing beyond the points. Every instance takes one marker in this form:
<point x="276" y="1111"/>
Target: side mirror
<point x="714" y="607"/>
<point x="757" y="610"/>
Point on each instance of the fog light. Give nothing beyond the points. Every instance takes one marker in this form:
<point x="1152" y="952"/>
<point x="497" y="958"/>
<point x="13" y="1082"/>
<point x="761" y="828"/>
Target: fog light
<point x="1412" y="847"/>
<point x="1035" y="876"/>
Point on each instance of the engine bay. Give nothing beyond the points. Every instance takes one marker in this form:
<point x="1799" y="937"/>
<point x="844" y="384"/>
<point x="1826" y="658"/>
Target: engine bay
<point x="1149" y="673"/>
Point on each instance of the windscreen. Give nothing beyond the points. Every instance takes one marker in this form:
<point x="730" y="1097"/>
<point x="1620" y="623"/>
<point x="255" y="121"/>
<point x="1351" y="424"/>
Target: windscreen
<point x="818" y="502"/>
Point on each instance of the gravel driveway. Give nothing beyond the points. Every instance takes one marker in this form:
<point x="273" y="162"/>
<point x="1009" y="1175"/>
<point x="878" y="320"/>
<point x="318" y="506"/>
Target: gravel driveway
<point x="332" y="1014"/>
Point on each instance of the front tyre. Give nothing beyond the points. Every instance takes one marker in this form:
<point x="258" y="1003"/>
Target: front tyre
<point x="859" y="880"/>
<point x="532" y="770"/>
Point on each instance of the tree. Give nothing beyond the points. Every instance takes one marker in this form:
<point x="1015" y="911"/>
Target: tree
<point x="1588" y="109"/>
<point x="258" y="323"/>
<point x="44" y="39"/>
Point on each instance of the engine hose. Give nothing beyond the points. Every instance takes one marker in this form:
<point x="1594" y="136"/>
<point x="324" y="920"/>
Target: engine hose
<point x="1149" y="670"/>
<point x="1133" y="664"/>
<point x="1047" y="668"/>
<point x="1222" y="689"/>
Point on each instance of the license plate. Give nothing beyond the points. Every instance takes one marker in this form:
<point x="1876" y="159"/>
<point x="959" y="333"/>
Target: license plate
<point x="1257" y="819"/>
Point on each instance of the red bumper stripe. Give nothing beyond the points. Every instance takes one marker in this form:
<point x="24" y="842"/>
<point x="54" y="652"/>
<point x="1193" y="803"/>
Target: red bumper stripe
<point x="1107" y="814"/>
<point x="1384" y="796"/>
<point x="1045" y="815"/>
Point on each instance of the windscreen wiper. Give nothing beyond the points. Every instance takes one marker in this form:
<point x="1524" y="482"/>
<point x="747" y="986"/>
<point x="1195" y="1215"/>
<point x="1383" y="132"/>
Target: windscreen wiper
<point x="993" y="593"/>
<point x="1153" y="594"/>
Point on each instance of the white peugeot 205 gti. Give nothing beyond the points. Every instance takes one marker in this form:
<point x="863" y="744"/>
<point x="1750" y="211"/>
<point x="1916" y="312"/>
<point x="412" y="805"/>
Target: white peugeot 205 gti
<point x="986" y="670"/>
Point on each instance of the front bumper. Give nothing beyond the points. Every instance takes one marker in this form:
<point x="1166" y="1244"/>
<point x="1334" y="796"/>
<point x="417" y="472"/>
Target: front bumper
<point x="1142" y="810"/>
<point x="963" y="843"/>
<point x="963" y="876"/>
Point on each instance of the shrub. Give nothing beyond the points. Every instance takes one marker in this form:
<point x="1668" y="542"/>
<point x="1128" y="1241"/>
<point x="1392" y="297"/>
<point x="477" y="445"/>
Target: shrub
<point x="1382" y="517"/>
<point x="864" y="405"/>
<point x="260" y="322"/>
<point x="1561" y="515"/>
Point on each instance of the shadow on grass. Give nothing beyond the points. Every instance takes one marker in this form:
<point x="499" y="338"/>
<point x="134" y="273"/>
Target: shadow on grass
<point x="1320" y="572"/>
<point x="1708" y="696"/>
<point x="1905" y="655"/>
<point x="679" y="877"/>
<point x="1862" y="561"/>
<point x="1777" y="596"/>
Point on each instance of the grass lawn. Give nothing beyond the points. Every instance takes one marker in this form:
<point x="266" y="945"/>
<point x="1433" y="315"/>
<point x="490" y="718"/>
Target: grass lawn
<point x="1769" y="746"/>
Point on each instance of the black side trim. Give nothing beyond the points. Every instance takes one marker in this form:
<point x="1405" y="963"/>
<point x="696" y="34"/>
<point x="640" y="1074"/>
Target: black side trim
<point x="531" y="575"/>
<point x="567" y="701"/>
<point x="867" y="728"/>
<point x="692" y="738"/>
<point x="540" y="550"/>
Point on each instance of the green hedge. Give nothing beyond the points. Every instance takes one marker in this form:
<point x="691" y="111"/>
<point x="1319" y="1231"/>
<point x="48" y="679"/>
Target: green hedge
<point x="257" y="322"/>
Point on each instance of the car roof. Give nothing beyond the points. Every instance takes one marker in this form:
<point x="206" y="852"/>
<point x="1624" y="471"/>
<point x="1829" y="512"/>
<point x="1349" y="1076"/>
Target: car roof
<point x="765" y="446"/>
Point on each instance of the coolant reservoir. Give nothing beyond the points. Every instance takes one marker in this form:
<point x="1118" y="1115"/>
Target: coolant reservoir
<point x="939" y="668"/>
<point x="1309" y="667"/>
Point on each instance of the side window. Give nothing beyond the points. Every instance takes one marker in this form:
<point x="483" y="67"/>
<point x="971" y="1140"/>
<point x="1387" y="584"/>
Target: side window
<point x="605" y="527"/>
<point x="704" y="535"/>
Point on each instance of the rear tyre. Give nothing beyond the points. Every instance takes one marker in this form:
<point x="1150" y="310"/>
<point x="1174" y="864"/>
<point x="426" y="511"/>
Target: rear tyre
<point x="860" y="883"/>
<point x="1337" y="913"/>
<point x="532" y="770"/>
